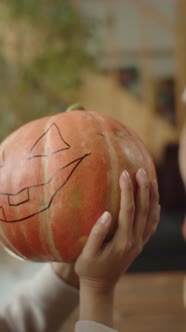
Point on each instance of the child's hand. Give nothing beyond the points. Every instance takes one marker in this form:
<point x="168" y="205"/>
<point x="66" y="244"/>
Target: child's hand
<point x="100" y="265"/>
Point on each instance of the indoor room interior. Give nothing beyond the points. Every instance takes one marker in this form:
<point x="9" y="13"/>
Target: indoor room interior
<point x="133" y="68"/>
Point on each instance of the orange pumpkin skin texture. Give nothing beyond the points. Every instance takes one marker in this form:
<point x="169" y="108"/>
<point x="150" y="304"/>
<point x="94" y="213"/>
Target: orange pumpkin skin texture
<point x="58" y="174"/>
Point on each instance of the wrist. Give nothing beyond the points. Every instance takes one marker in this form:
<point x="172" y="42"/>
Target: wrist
<point x="97" y="287"/>
<point x="96" y="304"/>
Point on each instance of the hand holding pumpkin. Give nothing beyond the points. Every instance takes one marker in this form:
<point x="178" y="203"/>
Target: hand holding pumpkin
<point x="101" y="264"/>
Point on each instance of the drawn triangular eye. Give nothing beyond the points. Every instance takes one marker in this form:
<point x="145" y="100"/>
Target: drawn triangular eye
<point x="2" y="158"/>
<point x="40" y="148"/>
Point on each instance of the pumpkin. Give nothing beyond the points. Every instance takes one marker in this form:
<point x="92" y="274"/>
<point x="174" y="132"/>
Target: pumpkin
<point x="58" y="174"/>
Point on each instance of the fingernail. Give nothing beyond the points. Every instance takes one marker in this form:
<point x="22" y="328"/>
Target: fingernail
<point x="105" y="218"/>
<point x="142" y="172"/>
<point x="126" y="175"/>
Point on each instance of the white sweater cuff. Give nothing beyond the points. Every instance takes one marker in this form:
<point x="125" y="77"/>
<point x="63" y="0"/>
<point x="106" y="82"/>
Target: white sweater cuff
<point x="90" y="326"/>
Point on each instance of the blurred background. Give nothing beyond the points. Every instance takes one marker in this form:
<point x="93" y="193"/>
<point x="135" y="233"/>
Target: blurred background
<point x="124" y="58"/>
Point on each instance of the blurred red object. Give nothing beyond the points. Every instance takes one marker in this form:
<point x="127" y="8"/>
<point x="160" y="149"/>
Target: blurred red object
<point x="184" y="229"/>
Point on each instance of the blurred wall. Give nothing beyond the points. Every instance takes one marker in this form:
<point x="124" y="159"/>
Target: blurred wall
<point x="122" y="26"/>
<point x="103" y="94"/>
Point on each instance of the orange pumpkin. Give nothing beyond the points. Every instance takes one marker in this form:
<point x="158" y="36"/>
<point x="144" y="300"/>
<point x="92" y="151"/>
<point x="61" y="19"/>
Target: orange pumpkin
<point x="58" y="174"/>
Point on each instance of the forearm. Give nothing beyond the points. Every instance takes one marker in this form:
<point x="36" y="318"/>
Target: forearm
<point x="96" y="306"/>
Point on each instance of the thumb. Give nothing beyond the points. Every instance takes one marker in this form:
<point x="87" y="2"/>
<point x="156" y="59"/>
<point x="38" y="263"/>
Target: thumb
<point x="98" y="234"/>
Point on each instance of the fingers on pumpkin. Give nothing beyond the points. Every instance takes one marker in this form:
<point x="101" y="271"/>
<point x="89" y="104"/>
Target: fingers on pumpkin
<point x="154" y="213"/>
<point x="127" y="208"/>
<point x="98" y="234"/>
<point x="142" y="204"/>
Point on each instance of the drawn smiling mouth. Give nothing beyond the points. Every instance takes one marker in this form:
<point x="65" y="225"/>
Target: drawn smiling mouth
<point x="34" y="195"/>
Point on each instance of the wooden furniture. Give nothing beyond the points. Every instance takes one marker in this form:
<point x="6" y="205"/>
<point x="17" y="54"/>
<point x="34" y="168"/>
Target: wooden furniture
<point x="149" y="302"/>
<point x="181" y="61"/>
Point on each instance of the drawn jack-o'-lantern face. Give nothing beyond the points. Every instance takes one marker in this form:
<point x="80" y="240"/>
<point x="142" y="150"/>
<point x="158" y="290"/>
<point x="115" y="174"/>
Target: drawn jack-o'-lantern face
<point x="58" y="175"/>
<point x="32" y="194"/>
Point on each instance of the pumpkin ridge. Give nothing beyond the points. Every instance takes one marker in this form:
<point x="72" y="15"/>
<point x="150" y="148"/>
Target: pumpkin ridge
<point x="47" y="229"/>
<point x="112" y="197"/>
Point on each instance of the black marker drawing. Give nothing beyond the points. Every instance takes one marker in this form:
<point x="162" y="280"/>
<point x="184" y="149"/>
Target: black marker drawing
<point x="35" y="194"/>
<point x="63" y="145"/>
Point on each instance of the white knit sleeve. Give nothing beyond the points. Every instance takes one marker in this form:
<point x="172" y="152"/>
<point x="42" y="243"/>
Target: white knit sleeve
<point x="89" y="326"/>
<point x="39" y="305"/>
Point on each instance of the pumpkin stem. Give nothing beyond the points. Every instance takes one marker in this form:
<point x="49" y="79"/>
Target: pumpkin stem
<point x="74" y="107"/>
